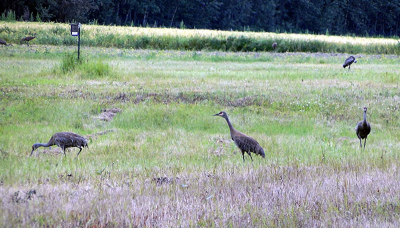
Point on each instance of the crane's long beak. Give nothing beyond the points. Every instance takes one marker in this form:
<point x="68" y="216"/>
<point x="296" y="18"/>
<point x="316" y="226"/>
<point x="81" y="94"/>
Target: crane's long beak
<point x="216" y="114"/>
<point x="31" y="152"/>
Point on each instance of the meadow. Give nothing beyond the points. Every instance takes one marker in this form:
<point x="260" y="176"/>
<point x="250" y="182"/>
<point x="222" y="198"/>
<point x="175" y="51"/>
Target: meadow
<point x="194" y="39"/>
<point x="164" y="160"/>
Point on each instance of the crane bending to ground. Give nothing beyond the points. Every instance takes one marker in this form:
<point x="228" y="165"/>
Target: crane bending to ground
<point x="349" y="61"/>
<point x="64" y="140"/>
<point x="244" y="142"/>
<point x="3" y="42"/>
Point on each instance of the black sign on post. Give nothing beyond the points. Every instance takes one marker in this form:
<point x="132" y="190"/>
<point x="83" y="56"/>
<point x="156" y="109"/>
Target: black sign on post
<point x="76" y="31"/>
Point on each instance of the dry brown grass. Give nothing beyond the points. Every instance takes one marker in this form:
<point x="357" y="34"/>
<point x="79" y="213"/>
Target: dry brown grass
<point x="273" y="195"/>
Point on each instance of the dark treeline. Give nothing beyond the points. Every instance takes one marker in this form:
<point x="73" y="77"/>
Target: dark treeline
<point x="339" y="17"/>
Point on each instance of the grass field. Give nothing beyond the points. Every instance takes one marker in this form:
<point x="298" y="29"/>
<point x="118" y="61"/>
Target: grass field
<point x="194" y="39"/>
<point x="166" y="161"/>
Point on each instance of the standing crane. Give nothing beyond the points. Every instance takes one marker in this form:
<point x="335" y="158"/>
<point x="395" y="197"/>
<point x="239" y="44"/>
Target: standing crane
<point x="64" y="140"/>
<point x="28" y="38"/>
<point x="349" y="61"/>
<point x="363" y="128"/>
<point x="274" y="45"/>
<point x="244" y="142"/>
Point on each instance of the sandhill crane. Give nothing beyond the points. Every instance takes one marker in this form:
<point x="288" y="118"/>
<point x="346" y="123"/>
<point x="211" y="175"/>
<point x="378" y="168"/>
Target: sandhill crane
<point x="274" y="45"/>
<point x="349" y="61"/>
<point x="363" y="128"/>
<point x="64" y="140"/>
<point x="28" y="38"/>
<point x="3" y="42"/>
<point x="244" y="142"/>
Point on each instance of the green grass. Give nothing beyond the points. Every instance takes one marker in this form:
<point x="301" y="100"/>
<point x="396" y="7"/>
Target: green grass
<point x="193" y="39"/>
<point x="86" y="68"/>
<point x="168" y="161"/>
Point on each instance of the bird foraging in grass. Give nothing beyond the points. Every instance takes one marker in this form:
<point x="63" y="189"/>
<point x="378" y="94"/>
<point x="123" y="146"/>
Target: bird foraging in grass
<point x="349" y="61"/>
<point x="243" y="142"/>
<point x="64" y="140"/>
<point x="28" y="38"/>
<point x="3" y="42"/>
<point x="363" y="129"/>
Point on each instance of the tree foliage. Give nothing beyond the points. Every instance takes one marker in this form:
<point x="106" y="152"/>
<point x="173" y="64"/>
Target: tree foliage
<point x="362" y="17"/>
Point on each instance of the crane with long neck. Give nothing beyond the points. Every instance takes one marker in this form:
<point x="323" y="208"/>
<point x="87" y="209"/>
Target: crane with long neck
<point x="243" y="142"/>
<point x="363" y="128"/>
<point x="64" y="140"/>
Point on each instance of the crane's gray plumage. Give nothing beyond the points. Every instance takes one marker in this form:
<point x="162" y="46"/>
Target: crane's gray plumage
<point x="363" y="128"/>
<point x="64" y="140"/>
<point x="28" y="38"/>
<point x="244" y="142"/>
<point x="3" y="42"/>
<point x="349" y="61"/>
<point x="274" y="45"/>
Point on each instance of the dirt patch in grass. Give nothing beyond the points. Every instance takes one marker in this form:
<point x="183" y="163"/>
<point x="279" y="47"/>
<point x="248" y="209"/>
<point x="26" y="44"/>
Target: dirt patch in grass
<point x="94" y="135"/>
<point x="22" y="196"/>
<point x="190" y="98"/>
<point x="108" y="114"/>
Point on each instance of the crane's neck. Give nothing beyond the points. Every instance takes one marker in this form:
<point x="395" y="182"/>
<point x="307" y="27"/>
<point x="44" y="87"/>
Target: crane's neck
<point x="231" y="128"/>
<point x="44" y="144"/>
<point x="365" y="118"/>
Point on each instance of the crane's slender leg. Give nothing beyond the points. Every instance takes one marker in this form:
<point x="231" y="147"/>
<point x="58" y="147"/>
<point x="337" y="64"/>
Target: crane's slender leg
<point x="80" y="149"/>
<point x="365" y="141"/>
<point x="360" y="141"/>
<point x="243" y="155"/>
<point x="250" y="156"/>
<point x="64" y="151"/>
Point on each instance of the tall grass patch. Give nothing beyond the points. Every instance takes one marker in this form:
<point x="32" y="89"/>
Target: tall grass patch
<point x="84" y="67"/>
